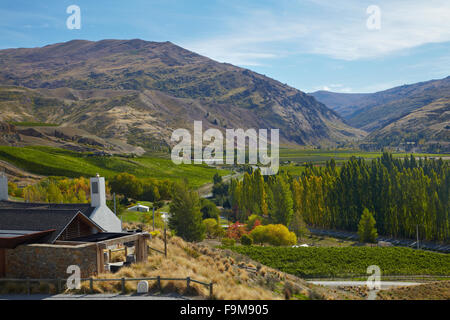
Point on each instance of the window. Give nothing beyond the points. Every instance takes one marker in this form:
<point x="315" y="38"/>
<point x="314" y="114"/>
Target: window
<point x="95" y="187"/>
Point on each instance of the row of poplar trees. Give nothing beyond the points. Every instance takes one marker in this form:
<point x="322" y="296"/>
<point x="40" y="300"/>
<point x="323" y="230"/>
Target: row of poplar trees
<point x="403" y="194"/>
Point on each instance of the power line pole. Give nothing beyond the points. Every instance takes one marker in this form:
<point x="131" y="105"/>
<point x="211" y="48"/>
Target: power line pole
<point x="417" y="232"/>
<point x="115" y="208"/>
<point x="165" y="240"/>
<point x="153" y="217"/>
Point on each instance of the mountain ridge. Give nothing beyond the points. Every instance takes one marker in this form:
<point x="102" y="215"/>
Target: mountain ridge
<point x="371" y="111"/>
<point x="133" y="90"/>
<point x="405" y="116"/>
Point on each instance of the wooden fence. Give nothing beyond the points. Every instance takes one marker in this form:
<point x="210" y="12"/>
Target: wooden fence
<point x="61" y="282"/>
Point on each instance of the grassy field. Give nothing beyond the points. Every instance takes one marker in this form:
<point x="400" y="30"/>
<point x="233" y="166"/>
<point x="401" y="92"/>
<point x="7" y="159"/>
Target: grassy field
<point x="58" y="162"/>
<point x="142" y="217"/>
<point x="293" y="160"/>
<point x="321" y="156"/>
<point x="348" y="261"/>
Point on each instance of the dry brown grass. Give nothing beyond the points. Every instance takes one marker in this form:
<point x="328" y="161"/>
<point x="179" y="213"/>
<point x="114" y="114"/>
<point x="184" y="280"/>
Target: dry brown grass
<point x="206" y="264"/>
<point x="21" y="288"/>
<point x="118" y="256"/>
<point x="429" y="291"/>
<point x="225" y="268"/>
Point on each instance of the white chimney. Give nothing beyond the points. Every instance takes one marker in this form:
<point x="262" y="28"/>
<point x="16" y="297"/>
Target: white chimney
<point x="98" y="192"/>
<point x="3" y="187"/>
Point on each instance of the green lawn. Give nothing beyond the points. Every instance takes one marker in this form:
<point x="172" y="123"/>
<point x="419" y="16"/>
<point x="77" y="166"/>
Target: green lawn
<point x="134" y="216"/>
<point x="348" y="261"/>
<point x="294" y="170"/>
<point x="58" y="162"/>
<point x="143" y="217"/>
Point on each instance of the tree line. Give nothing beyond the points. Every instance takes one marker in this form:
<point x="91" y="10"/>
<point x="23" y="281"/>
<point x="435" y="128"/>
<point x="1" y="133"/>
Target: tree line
<point x="402" y="194"/>
<point x="53" y="190"/>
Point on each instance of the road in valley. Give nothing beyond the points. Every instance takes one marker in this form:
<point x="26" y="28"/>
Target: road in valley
<point x="205" y="191"/>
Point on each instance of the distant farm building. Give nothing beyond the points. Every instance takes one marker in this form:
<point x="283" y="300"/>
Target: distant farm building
<point x="139" y="208"/>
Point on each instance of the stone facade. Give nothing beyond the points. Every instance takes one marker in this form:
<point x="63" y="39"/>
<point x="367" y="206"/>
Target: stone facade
<point x="43" y="261"/>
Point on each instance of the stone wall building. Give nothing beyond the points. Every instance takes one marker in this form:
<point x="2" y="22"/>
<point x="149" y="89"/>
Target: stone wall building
<point x="41" y="240"/>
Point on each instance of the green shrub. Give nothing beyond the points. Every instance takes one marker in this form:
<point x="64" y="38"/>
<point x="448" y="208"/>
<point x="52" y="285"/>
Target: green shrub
<point x="227" y="242"/>
<point x="246" y="240"/>
<point x="276" y="235"/>
<point x="253" y="221"/>
<point x="209" y="209"/>
<point x="155" y="233"/>
<point x="213" y="229"/>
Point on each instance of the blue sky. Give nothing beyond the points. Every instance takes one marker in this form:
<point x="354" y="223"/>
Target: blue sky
<point x="308" y="44"/>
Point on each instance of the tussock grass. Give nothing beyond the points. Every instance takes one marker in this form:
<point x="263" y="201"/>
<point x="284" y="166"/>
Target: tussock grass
<point x="206" y="264"/>
<point x="428" y="291"/>
<point x="231" y="281"/>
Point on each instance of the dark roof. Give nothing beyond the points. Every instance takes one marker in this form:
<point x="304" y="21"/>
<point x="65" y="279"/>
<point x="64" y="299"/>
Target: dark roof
<point x="7" y="234"/>
<point x="12" y="238"/>
<point x="102" y="236"/>
<point x="85" y="208"/>
<point x="38" y="220"/>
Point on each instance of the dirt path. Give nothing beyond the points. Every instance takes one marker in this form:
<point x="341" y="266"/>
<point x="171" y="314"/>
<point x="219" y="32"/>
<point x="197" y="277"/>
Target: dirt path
<point x="206" y="189"/>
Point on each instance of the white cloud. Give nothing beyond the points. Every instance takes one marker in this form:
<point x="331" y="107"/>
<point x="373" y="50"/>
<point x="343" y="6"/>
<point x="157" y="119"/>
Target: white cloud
<point x="334" y="88"/>
<point x="337" y="30"/>
<point x="252" y="40"/>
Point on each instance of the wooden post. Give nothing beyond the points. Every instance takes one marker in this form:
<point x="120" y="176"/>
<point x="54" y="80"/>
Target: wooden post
<point x="123" y="285"/>
<point x="188" y="283"/>
<point x="165" y="241"/>
<point x="91" y="285"/>
<point x="211" y="291"/>
<point x="144" y="249"/>
<point x="100" y="258"/>
<point x="159" y="283"/>
<point x="28" y="287"/>
<point x="153" y="218"/>
<point x="137" y="249"/>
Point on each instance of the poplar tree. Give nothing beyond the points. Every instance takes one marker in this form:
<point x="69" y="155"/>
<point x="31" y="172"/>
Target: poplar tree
<point x="366" y="227"/>
<point x="186" y="217"/>
<point x="282" y="202"/>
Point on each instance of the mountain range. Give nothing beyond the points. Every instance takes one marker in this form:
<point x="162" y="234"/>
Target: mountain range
<point x="126" y="95"/>
<point x="415" y="115"/>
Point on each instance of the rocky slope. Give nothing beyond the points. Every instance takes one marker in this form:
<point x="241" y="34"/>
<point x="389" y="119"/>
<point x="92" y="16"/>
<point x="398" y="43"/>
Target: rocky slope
<point x="138" y="92"/>
<point x="427" y="128"/>
<point x="416" y="114"/>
